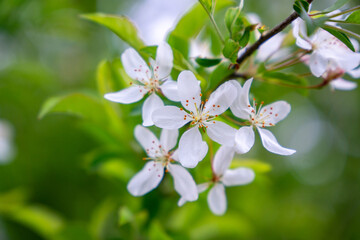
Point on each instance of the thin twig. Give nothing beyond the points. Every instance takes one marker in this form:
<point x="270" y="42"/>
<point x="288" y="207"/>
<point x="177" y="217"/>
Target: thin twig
<point x="213" y="22"/>
<point x="250" y="50"/>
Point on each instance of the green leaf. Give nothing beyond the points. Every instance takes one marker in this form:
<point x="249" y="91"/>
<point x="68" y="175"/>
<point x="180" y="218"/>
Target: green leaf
<point x="40" y="219"/>
<point x="256" y="165"/>
<point x="245" y="37"/>
<point x="341" y="36"/>
<point x="354" y="17"/>
<point x="231" y="16"/>
<point x="338" y="4"/>
<point x="208" y="62"/>
<point x="76" y="104"/>
<point x="300" y="6"/>
<point x="120" y="25"/>
<point x="149" y="50"/>
<point x="191" y="24"/>
<point x="220" y="73"/>
<point x="208" y="5"/>
<point x="157" y="232"/>
<point x="231" y="50"/>
<point x="125" y="216"/>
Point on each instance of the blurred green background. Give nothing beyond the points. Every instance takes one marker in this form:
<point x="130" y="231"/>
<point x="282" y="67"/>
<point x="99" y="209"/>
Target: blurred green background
<point x="68" y="176"/>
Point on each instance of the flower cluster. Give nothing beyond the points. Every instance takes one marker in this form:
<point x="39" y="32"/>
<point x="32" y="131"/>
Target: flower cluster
<point x="196" y="114"/>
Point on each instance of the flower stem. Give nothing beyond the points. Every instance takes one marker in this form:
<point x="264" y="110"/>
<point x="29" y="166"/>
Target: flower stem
<point x="250" y="50"/>
<point x="211" y="16"/>
<point x="345" y="11"/>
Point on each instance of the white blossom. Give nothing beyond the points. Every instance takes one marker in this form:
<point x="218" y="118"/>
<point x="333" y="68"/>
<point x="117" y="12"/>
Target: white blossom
<point x="6" y="142"/>
<point x="200" y="114"/>
<point x="325" y="49"/>
<point x="147" y="80"/>
<point x="258" y="118"/>
<point x="161" y="159"/>
<point x="223" y="177"/>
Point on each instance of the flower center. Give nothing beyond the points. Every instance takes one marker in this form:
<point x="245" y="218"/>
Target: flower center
<point x="201" y="117"/>
<point x="159" y="154"/>
<point x="260" y="117"/>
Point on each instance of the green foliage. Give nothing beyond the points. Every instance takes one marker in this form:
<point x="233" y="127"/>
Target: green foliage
<point x="231" y="50"/>
<point x="208" y="62"/>
<point x="76" y="104"/>
<point x="301" y="6"/>
<point x="120" y="25"/>
<point x="354" y="17"/>
<point x="190" y="25"/>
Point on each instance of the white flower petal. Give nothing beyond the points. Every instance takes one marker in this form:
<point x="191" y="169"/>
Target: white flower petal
<point x="355" y="73"/>
<point x="342" y="84"/>
<point x="168" y="138"/>
<point x="270" y="143"/>
<point x="317" y="63"/>
<point x="135" y="66"/>
<point x="222" y="160"/>
<point x="169" y="117"/>
<point x="189" y="90"/>
<point x="147" y="179"/>
<point x="152" y="103"/>
<point x="192" y="149"/>
<point x="270" y="47"/>
<point x="128" y="95"/>
<point x="238" y="176"/>
<point x="164" y="60"/>
<point x="183" y="182"/>
<point x="147" y="140"/>
<point x="170" y="90"/>
<point x="221" y="99"/>
<point x="221" y="133"/>
<point x="244" y="139"/>
<point x="299" y="32"/>
<point x="240" y="106"/>
<point x="200" y="188"/>
<point x="275" y="112"/>
<point x="217" y="199"/>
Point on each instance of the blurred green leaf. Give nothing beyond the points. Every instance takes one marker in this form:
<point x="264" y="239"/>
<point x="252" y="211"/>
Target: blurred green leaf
<point x="125" y="215"/>
<point x="116" y="168"/>
<point x="157" y="232"/>
<point x="231" y="16"/>
<point x="149" y="50"/>
<point x="120" y="25"/>
<point x="231" y="50"/>
<point x="12" y="200"/>
<point x="220" y="73"/>
<point x="301" y="5"/>
<point x="245" y="37"/>
<point x="285" y="77"/>
<point x="76" y="104"/>
<point x="341" y="36"/>
<point x="99" y="217"/>
<point x="354" y="17"/>
<point x="190" y="25"/>
<point x="40" y="219"/>
<point x="208" y="62"/>
<point x="208" y="4"/>
<point x="337" y="5"/>
<point x="256" y="165"/>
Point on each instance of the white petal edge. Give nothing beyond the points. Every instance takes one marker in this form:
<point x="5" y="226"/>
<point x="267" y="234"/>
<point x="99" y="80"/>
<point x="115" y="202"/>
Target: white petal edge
<point x="168" y="138"/>
<point x="222" y="160"/>
<point x="192" y="149"/>
<point x="170" y="90"/>
<point x="271" y="144"/>
<point x="183" y="182"/>
<point x="189" y="90"/>
<point x="275" y="112"/>
<point x="147" y="179"/>
<point x="151" y="103"/>
<point x="135" y="66"/>
<point x="342" y="84"/>
<point x="169" y="117"/>
<point x="147" y="140"/>
<point x="221" y="133"/>
<point x="240" y="107"/>
<point x="221" y="99"/>
<point x="244" y="139"/>
<point x="164" y="60"/>
<point x="238" y="176"/>
<point x="217" y="199"/>
<point x="128" y="95"/>
<point x="200" y="188"/>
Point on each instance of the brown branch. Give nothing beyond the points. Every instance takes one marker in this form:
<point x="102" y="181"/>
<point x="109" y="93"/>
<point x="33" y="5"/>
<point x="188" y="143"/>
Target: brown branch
<point x="250" y="50"/>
